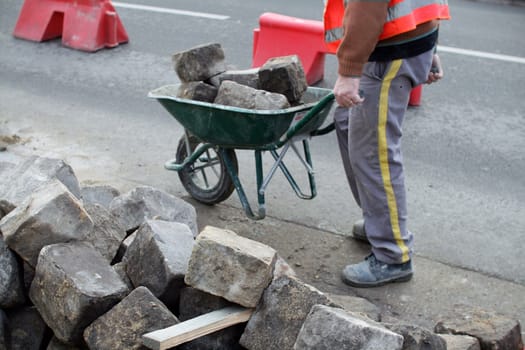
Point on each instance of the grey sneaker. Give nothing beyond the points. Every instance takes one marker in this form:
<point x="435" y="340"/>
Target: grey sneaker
<point x="358" y="231"/>
<point x="374" y="273"/>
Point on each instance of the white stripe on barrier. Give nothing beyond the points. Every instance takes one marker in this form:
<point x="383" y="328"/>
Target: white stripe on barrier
<point x="168" y="10"/>
<point x="482" y="54"/>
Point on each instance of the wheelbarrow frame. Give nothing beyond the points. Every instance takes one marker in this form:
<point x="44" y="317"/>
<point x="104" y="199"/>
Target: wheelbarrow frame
<point x="225" y="128"/>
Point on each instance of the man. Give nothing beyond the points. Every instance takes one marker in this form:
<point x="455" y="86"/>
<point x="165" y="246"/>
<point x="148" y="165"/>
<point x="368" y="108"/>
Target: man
<point x="384" y="49"/>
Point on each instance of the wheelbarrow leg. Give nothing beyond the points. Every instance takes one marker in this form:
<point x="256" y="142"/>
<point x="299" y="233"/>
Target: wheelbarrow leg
<point x="238" y="187"/>
<point x="307" y="163"/>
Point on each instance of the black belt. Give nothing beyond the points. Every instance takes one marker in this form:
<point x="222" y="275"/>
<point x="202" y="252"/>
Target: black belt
<point x="406" y="49"/>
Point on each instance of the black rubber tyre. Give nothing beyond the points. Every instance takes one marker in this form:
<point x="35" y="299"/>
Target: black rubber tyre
<point x="207" y="179"/>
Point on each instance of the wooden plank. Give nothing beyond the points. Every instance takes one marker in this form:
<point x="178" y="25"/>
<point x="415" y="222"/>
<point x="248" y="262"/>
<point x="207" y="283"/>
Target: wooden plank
<point x="196" y="327"/>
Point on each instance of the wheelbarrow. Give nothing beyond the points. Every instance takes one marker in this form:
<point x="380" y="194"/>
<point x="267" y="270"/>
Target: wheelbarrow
<point x="205" y="158"/>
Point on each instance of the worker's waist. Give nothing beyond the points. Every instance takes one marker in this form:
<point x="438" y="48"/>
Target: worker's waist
<point x="404" y="48"/>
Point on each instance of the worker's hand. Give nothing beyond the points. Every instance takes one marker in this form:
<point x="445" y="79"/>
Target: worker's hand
<point x="436" y="72"/>
<point x="346" y="91"/>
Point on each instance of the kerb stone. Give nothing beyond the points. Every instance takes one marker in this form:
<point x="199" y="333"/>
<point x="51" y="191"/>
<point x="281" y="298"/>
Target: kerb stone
<point x="418" y="338"/>
<point x="357" y="305"/>
<point x="74" y="285"/>
<point x="4" y="331"/>
<point x="328" y="328"/>
<point x="98" y="194"/>
<point x="22" y="180"/>
<point x="230" y="266"/>
<point x="122" y="327"/>
<point x="27" y="329"/>
<point x="50" y="215"/>
<point x="284" y="75"/>
<point x="141" y="203"/>
<point x="11" y="283"/>
<point x="241" y="96"/>
<point x="200" y="62"/>
<point x="106" y="235"/>
<point x="158" y="258"/>
<point x="461" y="342"/>
<point x="55" y="344"/>
<point x="279" y="316"/>
<point x="493" y="331"/>
<point x="193" y="303"/>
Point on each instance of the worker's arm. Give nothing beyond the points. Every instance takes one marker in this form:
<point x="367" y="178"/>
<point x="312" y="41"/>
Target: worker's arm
<point x="363" y="23"/>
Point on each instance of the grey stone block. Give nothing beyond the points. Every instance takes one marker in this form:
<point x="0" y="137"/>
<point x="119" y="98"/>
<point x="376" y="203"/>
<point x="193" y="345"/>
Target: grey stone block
<point x="11" y="283"/>
<point x="51" y="214"/>
<point x="247" y="77"/>
<point x="141" y="203"/>
<point x="107" y="234"/>
<point x="200" y="62"/>
<point x="74" y="285"/>
<point x="461" y="342"/>
<point x="158" y="258"/>
<point x="32" y="173"/>
<point x="4" y="331"/>
<point x="98" y="194"/>
<point x="27" y="329"/>
<point x="56" y="344"/>
<point x="279" y="316"/>
<point x="197" y="91"/>
<point x="122" y="327"/>
<point x="357" y="305"/>
<point x="120" y="269"/>
<point x="241" y="96"/>
<point x="417" y="338"/>
<point x="328" y="328"/>
<point x="124" y="247"/>
<point x="493" y="331"/>
<point x="282" y="268"/>
<point x="284" y="75"/>
<point x="193" y="303"/>
<point x="230" y="266"/>
<point x="29" y="274"/>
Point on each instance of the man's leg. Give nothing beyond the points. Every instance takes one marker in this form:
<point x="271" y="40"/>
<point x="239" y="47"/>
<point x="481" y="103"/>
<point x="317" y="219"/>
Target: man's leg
<point x="375" y="151"/>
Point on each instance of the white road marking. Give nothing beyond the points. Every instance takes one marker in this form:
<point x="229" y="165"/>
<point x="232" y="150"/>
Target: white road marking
<point x="481" y="54"/>
<point x="168" y="10"/>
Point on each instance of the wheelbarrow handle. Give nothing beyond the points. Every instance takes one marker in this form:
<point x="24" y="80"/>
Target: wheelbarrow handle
<point x="308" y="116"/>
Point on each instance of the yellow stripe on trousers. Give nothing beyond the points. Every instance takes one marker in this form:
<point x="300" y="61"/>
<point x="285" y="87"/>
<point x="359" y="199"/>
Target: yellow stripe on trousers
<point x="383" y="157"/>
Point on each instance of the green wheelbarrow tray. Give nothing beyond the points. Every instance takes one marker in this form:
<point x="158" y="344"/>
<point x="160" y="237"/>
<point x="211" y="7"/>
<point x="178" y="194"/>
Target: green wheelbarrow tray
<point x="233" y="127"/>
<point x="213" y="132"/>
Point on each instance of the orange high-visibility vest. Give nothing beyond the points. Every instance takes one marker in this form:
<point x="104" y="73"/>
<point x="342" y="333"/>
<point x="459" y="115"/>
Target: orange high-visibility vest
<point x="403" y="16"/>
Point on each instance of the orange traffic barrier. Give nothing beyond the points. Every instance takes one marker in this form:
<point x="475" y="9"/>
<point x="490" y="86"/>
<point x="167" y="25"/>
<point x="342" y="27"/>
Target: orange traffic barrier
<point x="87" y="25"/>
<point x="280" y="35"/>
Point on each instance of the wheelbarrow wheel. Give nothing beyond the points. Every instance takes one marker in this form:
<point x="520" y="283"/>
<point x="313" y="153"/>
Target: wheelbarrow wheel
<point x="207" y="179"/>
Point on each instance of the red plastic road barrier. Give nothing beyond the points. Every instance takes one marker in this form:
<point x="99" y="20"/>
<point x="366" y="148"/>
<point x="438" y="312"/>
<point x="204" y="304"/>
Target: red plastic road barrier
<point x="415" y="96"/>
<point x="280" y="35"/>
<point x="87" y="25"/>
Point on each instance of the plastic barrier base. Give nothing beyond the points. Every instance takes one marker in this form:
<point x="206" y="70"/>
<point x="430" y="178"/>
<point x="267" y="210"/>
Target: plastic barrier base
<point x="87" y="25"/>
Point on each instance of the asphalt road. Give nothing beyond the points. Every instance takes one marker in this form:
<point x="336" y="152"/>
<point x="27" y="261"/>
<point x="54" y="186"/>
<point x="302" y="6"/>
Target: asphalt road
<point x="463" y="148"/>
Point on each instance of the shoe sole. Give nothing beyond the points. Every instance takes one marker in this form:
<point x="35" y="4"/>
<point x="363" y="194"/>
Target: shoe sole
<point x="404" y="278"/>
<point x="360" y="238"/>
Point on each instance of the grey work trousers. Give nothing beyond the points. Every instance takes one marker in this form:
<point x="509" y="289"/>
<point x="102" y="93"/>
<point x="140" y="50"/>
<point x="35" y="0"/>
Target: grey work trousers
<point x="369" y="138"/>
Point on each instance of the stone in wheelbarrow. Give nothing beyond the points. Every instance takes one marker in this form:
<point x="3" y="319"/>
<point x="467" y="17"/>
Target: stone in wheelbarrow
<point x="284" y="75"/>
<point x="237" y="95"/>
<point x="200" y="62"/>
